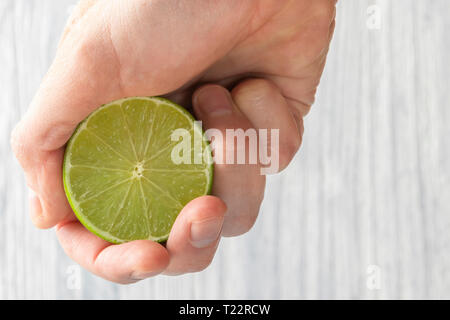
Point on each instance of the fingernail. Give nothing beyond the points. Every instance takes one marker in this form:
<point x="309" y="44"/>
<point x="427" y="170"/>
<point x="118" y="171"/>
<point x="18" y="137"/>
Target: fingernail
<point x="205" y="232"/>
<point x="214" y="101"/>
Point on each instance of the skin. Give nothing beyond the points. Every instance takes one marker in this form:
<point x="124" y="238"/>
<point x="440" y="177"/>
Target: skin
<point x="236" y="64"/>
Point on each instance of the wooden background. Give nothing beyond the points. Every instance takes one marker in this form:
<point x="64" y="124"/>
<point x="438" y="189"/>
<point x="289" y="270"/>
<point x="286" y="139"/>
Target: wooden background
<point x="363" y="211"/>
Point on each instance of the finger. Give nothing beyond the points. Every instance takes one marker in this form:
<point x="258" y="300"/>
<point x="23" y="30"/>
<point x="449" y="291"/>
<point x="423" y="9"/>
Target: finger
<point x="241" y="186"/>
<point x="124" y="263"/>
<point x="49" y="203"/>
<point x="195" y="235"/>
<point x="262" y="102"/>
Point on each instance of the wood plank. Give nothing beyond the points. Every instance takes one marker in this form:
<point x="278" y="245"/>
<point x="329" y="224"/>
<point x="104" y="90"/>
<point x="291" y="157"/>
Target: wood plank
<point x="368" y="192"/>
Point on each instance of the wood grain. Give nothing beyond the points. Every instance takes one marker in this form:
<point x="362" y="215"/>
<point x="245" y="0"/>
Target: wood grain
<point x="367" y="196"/>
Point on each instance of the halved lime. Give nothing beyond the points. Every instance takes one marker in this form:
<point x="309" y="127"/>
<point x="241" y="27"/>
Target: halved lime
<point x="120" y="175"/>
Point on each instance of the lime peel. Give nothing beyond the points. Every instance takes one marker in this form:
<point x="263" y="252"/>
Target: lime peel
<point x="118" y="174"/>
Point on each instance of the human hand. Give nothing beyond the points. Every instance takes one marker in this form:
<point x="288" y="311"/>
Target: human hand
<point x="271" y="53"/>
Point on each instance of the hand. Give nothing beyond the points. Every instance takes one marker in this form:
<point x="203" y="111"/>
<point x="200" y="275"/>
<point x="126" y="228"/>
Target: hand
<point x="269" y="53"/>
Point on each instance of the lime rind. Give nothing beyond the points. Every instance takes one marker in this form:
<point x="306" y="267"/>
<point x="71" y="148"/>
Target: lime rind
<point x="67" y="165"/>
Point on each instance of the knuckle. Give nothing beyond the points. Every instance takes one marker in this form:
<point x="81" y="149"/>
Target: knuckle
<point x="30" y="150"/>
<point x="261" y="86"/>
<point x="325" y="12"/>
<point x="199" y="264"/>
<point x="204" y="265"/>
<point x="84" y="41"/>
<point x="38" y="215"/>
<point x="239" y="226"/>
<point x="288" y="150"/>
<point x="56" y="135"/>
<point x="85" y="52"/>
<point x="300" y="106"/>
<point x="17" y="142"/>
<point x="41" y="219"/>
<point x="298" y="112"/>
<point x="40" y="222"/>
<point x="319" y="31"/>
<point x="21" y="148"/>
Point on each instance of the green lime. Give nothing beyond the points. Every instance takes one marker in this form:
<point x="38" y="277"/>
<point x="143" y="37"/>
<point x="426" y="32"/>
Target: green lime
<point x="132" y="165"/>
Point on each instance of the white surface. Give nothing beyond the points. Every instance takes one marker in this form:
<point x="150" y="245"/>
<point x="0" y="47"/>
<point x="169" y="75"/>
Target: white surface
<point x="368" y="195"/>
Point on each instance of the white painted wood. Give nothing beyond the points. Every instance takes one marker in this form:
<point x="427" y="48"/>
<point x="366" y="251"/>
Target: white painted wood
<point x="370" y="187"/>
